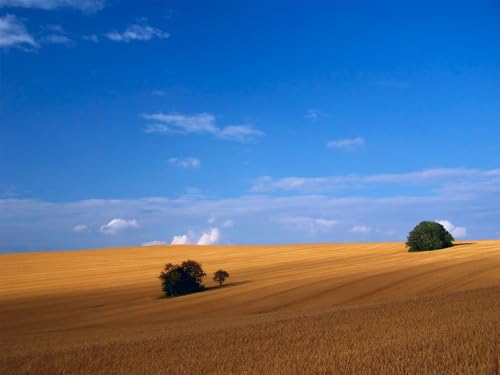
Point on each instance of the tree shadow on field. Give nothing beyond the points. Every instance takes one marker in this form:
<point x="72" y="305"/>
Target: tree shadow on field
<point x="444" y="248"/>
<point x="463" y="244"/>
<point x="228" y="285"/>
<point x="209" y="289"/>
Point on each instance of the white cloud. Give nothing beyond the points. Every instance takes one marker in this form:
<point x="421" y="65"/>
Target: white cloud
<point x="137" y="32"/>
<point x="180" y="123"/>
<point x="180" y="240"/>
<point x="240" y="133"/>
<point x="80" y="228"/>
<point x="310" y="224"/>
<point x="83" y="5"/>
<point x="456" y="232"/>
<point x="189" y="162"/>
<point x="201" y="123"/>
<point x="153" y="243"/>
<point x="117" y="225"/>
<point x="13" y="33"/>
<point x="347" y="144"/>
<point x="209" y="238"/>
<point x="454" y="180"/>
<point x="360" y="229"/>
<point x="212" y="220"/>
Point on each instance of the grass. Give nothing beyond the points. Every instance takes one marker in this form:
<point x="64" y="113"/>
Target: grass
<point x="297" y="309"/>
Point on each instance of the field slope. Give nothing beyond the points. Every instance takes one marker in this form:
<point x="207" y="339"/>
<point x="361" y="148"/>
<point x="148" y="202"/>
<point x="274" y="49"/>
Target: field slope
<point x="294" y="309"/>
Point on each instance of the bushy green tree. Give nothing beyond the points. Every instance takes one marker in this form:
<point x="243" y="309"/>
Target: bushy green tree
<point x="182" y="279"/>
<point x="429" y="235"/>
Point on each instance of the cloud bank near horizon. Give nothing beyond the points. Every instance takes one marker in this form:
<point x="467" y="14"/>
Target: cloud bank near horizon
<point x="465" y="200"/>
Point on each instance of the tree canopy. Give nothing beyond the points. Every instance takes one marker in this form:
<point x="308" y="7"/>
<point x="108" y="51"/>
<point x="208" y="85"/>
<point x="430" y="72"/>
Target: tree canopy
<point x="182" y="279"/>
<point x="429" y="235"/>
<point x="220" y="276"/>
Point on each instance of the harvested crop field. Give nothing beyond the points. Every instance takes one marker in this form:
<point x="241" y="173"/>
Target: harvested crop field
<point x="294" y="309"/>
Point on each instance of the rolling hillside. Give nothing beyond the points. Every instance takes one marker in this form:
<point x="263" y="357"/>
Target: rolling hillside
<point x="294" y="309"/>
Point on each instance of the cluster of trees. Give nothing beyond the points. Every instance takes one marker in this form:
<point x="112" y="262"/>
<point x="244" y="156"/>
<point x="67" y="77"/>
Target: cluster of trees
<point x="429" y="235"/>
<point x="186" y="278"/>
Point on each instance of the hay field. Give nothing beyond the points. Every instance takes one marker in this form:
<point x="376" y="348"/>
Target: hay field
<point x="294" y="309"/>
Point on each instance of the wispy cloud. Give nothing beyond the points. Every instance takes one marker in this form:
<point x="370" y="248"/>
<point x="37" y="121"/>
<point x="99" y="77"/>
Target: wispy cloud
<point x="447" y="179"/>
<point x="181" y="123"/>
<point x="83" y="5"/>
<point x="201" y="123"/>
<point x="189" y="162"/>
<point x="240" y="133"/>
<point x="13" y="33"/>
<point x="117" y="225"/>
<point x="80" y="228"/>
<point x="137" y="32"/>
<point x="347" y="144"/>
<point x="309" y="224"/>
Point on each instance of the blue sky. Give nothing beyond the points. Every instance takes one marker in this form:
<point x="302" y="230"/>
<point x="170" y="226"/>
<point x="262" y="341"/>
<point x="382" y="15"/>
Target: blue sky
<point x="125" y="122"/>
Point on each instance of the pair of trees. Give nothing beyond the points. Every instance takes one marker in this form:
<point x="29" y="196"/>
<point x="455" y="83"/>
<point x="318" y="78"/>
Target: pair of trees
<point x="187" y="278"/>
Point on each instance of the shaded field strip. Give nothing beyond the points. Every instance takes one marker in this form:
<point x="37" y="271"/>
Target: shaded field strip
<point x="441" y="287"/>
<point x="392" y="277"/>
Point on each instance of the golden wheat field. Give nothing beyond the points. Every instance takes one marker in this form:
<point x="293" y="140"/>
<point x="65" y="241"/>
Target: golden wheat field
<point x="294" y="309"/>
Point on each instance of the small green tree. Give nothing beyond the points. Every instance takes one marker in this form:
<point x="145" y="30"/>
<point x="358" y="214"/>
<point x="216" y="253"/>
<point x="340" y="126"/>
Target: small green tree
<point x="429" y="235"/>
<point x="182" y="279"/>
<point x="220" y="276"/>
